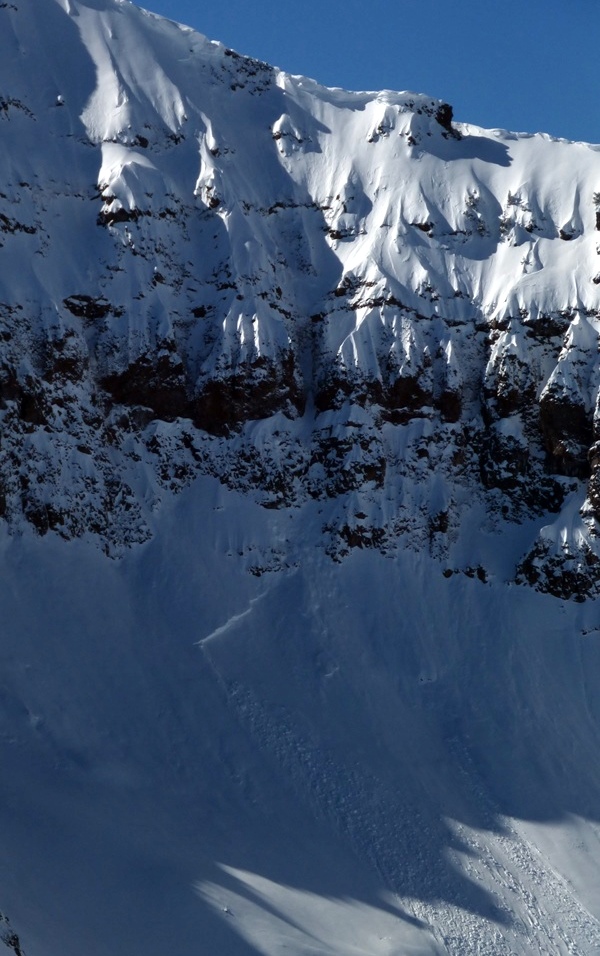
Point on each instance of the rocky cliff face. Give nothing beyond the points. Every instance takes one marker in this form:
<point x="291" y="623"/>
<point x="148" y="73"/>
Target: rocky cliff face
<point x="336" y="300"/>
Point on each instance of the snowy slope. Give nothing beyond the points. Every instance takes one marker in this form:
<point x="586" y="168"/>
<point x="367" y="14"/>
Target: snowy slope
<point x="299" y="492"/>
<point x="211" y="266"/>
<point x="349" y="758"/>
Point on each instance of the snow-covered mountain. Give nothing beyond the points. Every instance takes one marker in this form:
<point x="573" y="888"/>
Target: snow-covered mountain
<point x="211" y="266"/>
<point x="300" y="492"/>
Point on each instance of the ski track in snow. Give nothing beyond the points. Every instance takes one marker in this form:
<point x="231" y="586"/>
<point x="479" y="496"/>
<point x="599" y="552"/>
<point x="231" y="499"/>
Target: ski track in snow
<point x="544" y="915"/>
<point x="406" y="311"/>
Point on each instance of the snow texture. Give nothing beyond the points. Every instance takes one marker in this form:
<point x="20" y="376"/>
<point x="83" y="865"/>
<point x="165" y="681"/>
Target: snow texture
<point x="299" y="503"/>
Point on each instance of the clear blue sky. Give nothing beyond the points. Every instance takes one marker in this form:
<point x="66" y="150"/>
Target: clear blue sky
<point x="519" y="64"/>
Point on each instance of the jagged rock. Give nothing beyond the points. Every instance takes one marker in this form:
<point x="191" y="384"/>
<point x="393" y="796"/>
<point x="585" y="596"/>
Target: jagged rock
<point x="350" y="318"/>
<point x="156" y="381"/>
<point x="567" y="431"/>
<point x="66" y="359"/>
<point x="593" y="488"/>
<point x="565" y="574"/>
<point x="258" y="390"/>
<point x="9" y="937"/>
<point x="444" y="115"/>
<point x="87" y="307"/>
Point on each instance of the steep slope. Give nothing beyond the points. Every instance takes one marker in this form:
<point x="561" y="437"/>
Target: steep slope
<point x="299" y="500"/>
<point x="361" y="757"/>
<point x="209" y="265"/>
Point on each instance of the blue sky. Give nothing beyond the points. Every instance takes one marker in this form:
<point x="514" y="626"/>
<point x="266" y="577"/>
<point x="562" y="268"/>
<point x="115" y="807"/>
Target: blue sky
<point x="519" y="64"/>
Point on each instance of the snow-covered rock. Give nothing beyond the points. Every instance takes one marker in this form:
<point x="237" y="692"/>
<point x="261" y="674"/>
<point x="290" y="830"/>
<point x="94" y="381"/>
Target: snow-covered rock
<point x="319" y="369"/>
<point x="290" y="282"/>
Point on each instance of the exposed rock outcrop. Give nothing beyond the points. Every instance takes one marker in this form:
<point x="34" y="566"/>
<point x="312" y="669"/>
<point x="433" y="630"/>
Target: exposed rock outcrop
<point x="313" y="295"/>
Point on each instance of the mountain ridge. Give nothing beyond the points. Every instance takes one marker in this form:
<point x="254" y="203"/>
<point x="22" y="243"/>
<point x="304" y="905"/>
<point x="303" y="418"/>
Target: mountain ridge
<point x="299" y="489"/>
<point x="417" y="277"/>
